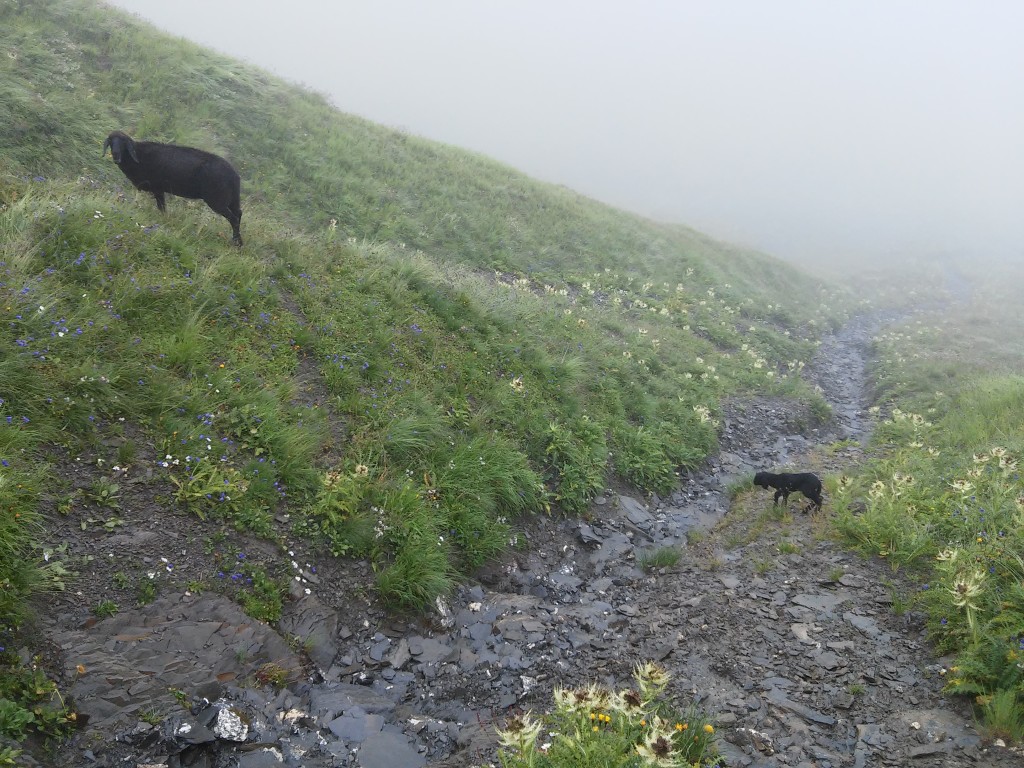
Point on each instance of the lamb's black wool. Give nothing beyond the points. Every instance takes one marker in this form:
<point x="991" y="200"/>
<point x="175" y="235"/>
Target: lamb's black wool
<point x="785" y="483"/>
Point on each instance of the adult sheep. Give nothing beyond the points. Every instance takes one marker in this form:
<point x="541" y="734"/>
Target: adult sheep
<point x="182" y="171"/>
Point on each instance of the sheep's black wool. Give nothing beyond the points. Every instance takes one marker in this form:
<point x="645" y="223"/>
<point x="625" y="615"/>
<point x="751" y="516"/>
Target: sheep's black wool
<point x="183" y="171"/>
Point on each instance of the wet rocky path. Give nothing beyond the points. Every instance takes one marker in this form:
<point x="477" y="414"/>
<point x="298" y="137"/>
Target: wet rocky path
<point x="788" y="641"/>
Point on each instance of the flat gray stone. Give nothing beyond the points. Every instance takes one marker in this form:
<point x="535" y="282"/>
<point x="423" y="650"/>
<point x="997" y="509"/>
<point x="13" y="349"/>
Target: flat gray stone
<point x="926" y="750"/>
<point x="827" y="660"/>
<point x="389" y="750"/>
<point x="780" y="699"/>
<point x="823" y="603"/>
<point x="634" y="511"/>
<point x="428" y="650"/>
<point x="865" y="624"/>
<point x="268" y="757"/>
<point x="315" y="624"/>
<point x="401" y="655"/>
<point x="357" y="727"/>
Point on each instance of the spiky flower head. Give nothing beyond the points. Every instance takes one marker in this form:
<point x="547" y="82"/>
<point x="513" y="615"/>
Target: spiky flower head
<point x="520" y="734"/>
<point x="967" y="588"/>
<point x="588" y="699"/>
<point x="657" y="747"/>
<point x="878" y="489"/>
<point x="628" y="702"/>
<point x="963" y="487"/>
<point x="563" y="698"/>
<point x="651" y="679"/>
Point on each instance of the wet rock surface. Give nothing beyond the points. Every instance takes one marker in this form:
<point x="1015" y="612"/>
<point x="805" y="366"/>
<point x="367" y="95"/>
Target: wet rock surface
<point x="794" y="650"/>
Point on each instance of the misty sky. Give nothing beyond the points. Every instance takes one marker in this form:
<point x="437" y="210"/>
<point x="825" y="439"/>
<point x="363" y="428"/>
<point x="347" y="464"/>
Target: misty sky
<point x="810" y="130"/>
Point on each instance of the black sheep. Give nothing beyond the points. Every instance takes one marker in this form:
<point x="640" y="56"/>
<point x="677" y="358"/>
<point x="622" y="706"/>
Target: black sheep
<point x="182" y="171"/>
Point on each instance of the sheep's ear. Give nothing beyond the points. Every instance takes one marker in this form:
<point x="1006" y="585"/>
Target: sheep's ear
<point x="131" y="150"/>
<point x="106" y="146"/>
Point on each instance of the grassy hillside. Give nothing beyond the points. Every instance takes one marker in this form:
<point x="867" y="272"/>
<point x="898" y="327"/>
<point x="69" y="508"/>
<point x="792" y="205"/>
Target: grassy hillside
<point x="416" y="344"/>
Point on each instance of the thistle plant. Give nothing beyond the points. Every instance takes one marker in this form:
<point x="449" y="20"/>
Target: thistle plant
<point x="966" y="591"/>
<point x="594" y="727"/>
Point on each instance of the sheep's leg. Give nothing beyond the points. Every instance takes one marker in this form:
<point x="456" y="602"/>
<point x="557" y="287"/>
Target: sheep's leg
<point x="234" y="217"/>
<point x="160" y="202"/>
<point x="236" y="222"/>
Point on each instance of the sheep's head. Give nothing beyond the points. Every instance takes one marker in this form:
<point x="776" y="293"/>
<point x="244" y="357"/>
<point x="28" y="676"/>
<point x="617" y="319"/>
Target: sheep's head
<point x="119" y="143"/>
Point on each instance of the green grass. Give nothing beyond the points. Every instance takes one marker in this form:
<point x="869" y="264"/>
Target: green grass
<point x="662" y="557"/>
<point x="105" y="608"/>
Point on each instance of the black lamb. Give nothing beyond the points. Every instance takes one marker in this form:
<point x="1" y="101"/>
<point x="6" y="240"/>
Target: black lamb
<point x="182" y="171"/>
<point x="785" y="483"/>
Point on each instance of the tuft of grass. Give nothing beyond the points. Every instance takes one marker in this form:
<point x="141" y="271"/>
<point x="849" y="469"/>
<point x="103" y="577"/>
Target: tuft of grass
<point x="1003" y="716"/>
<point x="900" y="602"/>
<point x="416" y="577"/>
<point x="151" y="716"/>
<point x="105" y="609"/>
<point x="662" y="557"/>
<point x="695" y="536"/>
<point x="738" y="487"/>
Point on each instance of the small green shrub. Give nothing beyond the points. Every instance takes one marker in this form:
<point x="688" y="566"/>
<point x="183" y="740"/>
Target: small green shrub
<point x="106" y="493"/>
<point x="209" y="485"/>
<point x="30" y="701"/>
<point x="261" y="596"/>
<point x="342" y="511"/>
<point x="146" y="592"/>
<point x="272" y="674"/>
